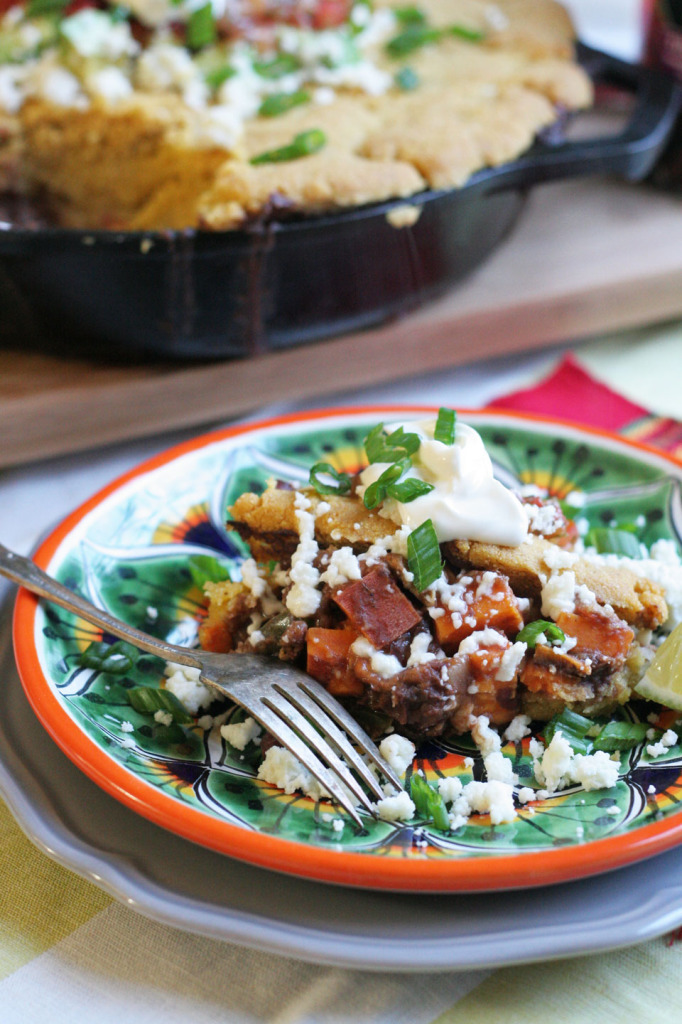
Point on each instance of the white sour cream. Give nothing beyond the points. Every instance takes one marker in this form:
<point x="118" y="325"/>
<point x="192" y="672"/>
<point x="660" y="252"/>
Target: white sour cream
<point x="467" y="502"/>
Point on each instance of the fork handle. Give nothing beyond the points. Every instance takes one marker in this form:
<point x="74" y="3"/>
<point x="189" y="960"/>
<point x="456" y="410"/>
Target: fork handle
<point x="27" y="574"/>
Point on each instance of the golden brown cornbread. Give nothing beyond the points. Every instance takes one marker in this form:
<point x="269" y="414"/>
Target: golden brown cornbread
<point x="636" y="600"/>
<point x="147" y="162"/>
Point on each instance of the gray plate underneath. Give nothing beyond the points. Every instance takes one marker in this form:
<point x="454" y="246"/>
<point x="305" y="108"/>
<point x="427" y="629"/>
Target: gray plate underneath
<point x="178" y="883"/>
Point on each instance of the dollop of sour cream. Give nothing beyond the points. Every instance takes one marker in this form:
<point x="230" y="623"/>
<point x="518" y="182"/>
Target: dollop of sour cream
<point x="467" y="502"/>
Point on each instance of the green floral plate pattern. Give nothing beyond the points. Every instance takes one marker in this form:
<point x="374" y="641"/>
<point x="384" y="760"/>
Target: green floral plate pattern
<point x="134" y="550"/>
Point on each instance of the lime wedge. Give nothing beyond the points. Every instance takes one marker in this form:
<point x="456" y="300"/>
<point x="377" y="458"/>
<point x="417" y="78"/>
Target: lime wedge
<point x="662" y="681"/>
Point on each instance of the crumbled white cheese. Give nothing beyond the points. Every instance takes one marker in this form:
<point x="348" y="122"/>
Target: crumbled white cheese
<point x="558" y="595"/>
<point x="517" y="728"/>
<point x="127" y="727"/>
<point x="526" y="794"/>
<point x="553" y="769"/>
<point x="94" y="33"/>
<point x="239" y="734"/>
<point x="163" y="717"/>
<point x="396" y="808"/>
<point x="343" y="567"/>
<point x="483" y="638"/>
<point x="450" y="788"/>
<point x="667" y="740"/>
<point x="385" y="665"/>
<point x="111" y="85"/>
<point x="303" y="599"/>
<point x="486" y="739"/>
<point x="498" y="768"/>
<point x="280" y="768"/>
<point x="419" y="651"/>
<point x="511" y="659"/>
<point x="495" y="798"/>
<point x="398" y="751"/>
<point x="594" y="771"/>
<point x="184" y="682"/>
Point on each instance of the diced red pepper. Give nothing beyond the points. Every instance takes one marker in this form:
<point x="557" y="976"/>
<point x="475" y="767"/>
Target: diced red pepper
<point x="494" y="606"/>
<point x="328" y="654"/>
<point x="330" y="13"/>
<point x="377" y="607"/>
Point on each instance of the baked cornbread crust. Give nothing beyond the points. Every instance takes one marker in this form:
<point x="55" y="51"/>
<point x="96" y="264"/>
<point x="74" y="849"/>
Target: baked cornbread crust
<point x="153" y="160"/>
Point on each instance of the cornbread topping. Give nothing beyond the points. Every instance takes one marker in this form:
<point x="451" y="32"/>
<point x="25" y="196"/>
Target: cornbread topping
<point x="160" y="114"/>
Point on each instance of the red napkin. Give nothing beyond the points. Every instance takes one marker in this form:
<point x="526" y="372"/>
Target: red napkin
<point x="570" y="392"/>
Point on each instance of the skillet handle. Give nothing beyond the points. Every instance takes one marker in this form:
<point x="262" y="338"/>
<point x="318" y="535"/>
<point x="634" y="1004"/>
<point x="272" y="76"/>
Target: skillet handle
<point x="630" y="154"/>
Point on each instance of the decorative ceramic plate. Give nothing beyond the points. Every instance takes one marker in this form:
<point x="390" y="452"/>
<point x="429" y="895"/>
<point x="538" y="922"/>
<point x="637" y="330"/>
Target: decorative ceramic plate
<point x="134" y="549"/>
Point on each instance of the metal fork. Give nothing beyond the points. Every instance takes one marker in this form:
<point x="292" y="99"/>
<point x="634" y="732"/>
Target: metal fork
<point x="294" y="708"/>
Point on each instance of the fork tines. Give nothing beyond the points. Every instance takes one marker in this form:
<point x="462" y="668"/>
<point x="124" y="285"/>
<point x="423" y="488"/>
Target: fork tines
<point x="323" y="736"/>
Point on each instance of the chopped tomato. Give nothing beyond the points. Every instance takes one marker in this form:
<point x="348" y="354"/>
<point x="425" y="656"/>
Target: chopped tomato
<point x="490" y="602"/>
<point x="377" y="607"/>
<point x="330" y="13"/>
<point x="327" y="661"/>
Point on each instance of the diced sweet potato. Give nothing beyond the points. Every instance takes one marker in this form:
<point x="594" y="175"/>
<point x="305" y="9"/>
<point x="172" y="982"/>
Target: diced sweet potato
<point x="604" y="639"/>
<point x="490" y="602"/>
<point x="327" y="661"/>
<point x="377" y="607"/>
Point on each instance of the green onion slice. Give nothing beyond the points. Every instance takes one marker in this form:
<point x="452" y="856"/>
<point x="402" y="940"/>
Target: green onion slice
<point x="620" y="736"/>
<point x="281" y="65"/>
<point x="530" y="633"/>
<point x="445" y="426"/>
<point x="36" y="8"/>
<point x="423" y="555"/>
<point x="116" y="659"/>
<point x="378" y="490"/>
<point x="412" y="38"/>
<point x="201" y="29"/>
<point x="428" y="802"/>
<point x="301" y="145"/>
<point x="279" y="102"/>
<point x="472" y="35"/>
<point x="341" y="481"/>
<point x="216" y="76"/>
<point x="409" y="489"/>
<point x="149" y="699"/>
<point x="573" y="727"/>
<point x="382" y="447"/>
<point x="410" y="15"/>
<point x="614" y="542"/>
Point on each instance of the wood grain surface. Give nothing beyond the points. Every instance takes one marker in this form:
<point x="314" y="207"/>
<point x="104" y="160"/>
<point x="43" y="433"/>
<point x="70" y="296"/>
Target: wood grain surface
<point x="585" y="257"/>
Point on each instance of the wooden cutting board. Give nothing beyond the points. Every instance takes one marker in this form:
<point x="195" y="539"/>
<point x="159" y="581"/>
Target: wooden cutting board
<point x="585" y="258"/>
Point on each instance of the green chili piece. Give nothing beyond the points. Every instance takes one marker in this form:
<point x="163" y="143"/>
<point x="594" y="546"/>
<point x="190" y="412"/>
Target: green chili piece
<point x="201" y="29"/>
<point x="150" y="699"/>
<point x="613" y="541"/>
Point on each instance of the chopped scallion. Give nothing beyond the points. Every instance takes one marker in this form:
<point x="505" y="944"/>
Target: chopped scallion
<point x="412" y="38"/>
<point x="36" y="8"/>
<point x="428" y="802"/>
<point x="620" y="736"/>
<point x="279" y="102"/>
<point x="409" y="489"/>
<point x="613" y="541"/>
<point x="303" y="144"/>
<point x="201" y="28"/>
<point x="150" y="699"/>
<point x="573" y="727"/>
<point x="216" y="76"/>
<point x="410" y="15"/>
<point x="341" y="482"/>
<point x="116" y="659"/>
<point x="533" y="630"/>
<point x="423" y="555"/>
<point x="445" y="426"/>
<point x="282" y="64"/>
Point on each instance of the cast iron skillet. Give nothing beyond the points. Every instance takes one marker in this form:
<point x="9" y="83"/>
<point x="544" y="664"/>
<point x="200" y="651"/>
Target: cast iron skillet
<point x="202" y="295"/>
